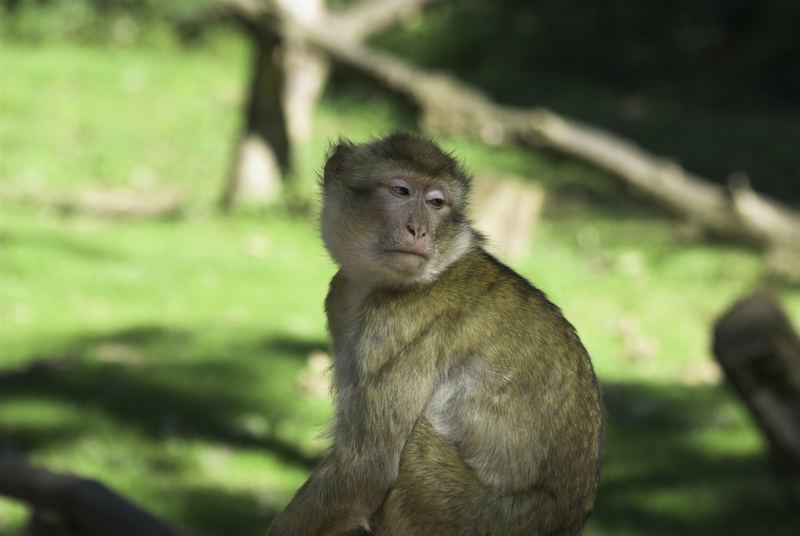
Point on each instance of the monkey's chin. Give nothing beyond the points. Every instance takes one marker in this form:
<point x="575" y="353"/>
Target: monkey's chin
<point x="406" y="264"/>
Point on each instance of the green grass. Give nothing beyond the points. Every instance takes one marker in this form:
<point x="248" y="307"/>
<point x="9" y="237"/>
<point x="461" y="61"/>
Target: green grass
<point x="183" y="343"/>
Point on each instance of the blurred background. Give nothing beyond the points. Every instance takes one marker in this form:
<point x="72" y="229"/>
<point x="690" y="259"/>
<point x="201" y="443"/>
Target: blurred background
<point x="162" y="278"/>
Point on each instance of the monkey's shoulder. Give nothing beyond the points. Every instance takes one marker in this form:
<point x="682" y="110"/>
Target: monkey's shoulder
<point x="476" y="295"/>
<point x="494" y="295"/>
<point x="483" y="277"/>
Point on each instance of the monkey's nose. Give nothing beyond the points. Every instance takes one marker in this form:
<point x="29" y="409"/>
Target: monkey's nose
<point x="416" y="231"/>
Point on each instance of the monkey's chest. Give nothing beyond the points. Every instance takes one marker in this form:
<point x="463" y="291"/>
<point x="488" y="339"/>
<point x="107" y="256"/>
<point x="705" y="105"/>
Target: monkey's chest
<point x="396" y="345"/>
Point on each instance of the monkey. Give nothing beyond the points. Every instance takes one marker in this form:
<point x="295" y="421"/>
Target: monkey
<point x="464" y="402"/>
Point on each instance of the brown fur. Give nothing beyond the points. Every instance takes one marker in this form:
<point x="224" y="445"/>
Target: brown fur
<point x="465" y="402"/>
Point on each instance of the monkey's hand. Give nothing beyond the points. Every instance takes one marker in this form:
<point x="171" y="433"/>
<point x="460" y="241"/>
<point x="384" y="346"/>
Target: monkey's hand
<point x="329" y="503"/>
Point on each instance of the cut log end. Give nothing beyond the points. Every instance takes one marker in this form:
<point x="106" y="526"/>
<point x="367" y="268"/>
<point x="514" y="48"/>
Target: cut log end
<point x="507" y="210"/>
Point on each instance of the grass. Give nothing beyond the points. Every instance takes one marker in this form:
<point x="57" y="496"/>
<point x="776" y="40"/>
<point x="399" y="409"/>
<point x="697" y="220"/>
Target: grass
<point x="183" y="344"/>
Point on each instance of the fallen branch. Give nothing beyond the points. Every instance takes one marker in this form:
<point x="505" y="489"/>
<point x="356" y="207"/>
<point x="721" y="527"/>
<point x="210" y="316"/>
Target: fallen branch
<point x="371" y="16"/>
<point x="116" y="203"/>
<point x="448" y="105"/>
<point x="765" y="217"/>
<point x="353" y="23"/>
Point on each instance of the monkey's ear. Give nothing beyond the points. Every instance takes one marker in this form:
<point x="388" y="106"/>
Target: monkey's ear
<point x="338" y="158"/>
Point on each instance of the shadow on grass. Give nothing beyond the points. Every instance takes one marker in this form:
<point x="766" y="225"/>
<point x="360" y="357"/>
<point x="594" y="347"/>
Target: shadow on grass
<point x="212" y="512"/>
<point x="166" y="383"/>
<point x="50" y="242"/>
<point x="670" y="467"/>
<point x="122" y="375"/>
<point x="25" y="438"/>
<point x="297" y="347"/>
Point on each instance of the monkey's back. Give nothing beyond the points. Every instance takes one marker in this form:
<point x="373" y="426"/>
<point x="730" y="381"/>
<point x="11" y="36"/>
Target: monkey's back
<point x="510" y="441"/>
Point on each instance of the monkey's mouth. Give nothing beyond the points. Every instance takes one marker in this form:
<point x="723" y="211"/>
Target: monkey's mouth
<point x="416" y="253"/>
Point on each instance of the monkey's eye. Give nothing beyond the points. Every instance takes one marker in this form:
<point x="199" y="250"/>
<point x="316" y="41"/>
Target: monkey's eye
<point x="400" y="191"/>
<point x="435" y="199"/>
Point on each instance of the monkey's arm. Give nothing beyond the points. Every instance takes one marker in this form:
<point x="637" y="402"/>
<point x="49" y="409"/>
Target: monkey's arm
<point x="373" y="424"/>
<point x="312" y="510"/>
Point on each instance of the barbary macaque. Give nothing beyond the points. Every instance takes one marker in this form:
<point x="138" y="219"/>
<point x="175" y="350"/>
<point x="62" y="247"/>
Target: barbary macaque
<point x="466" y="404"/>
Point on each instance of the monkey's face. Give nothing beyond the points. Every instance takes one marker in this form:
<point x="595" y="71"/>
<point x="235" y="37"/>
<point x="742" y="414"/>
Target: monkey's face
<point x="401" y="230"/>
<point x="386" y="223"/>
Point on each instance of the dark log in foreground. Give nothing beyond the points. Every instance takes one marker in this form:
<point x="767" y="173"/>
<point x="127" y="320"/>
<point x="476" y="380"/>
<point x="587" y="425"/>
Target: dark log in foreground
<point x="67" y="505"/>
<point x="760" y="353"/>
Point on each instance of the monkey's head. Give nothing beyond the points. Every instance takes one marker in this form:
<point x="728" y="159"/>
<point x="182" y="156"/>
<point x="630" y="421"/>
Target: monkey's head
<point x="393" y="210"/>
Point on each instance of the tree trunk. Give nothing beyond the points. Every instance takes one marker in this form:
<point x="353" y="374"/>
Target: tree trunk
<point x="290" y="75"/>
<point x="306" y="76"/>
<point x="306" y="73"/>
<point x="262" y="155"/>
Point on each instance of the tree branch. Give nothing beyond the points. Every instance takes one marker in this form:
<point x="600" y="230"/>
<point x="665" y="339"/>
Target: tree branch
<point x="449" y="105"/>
<point x="372" y="16"/>
<point x="352" y="24"/>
